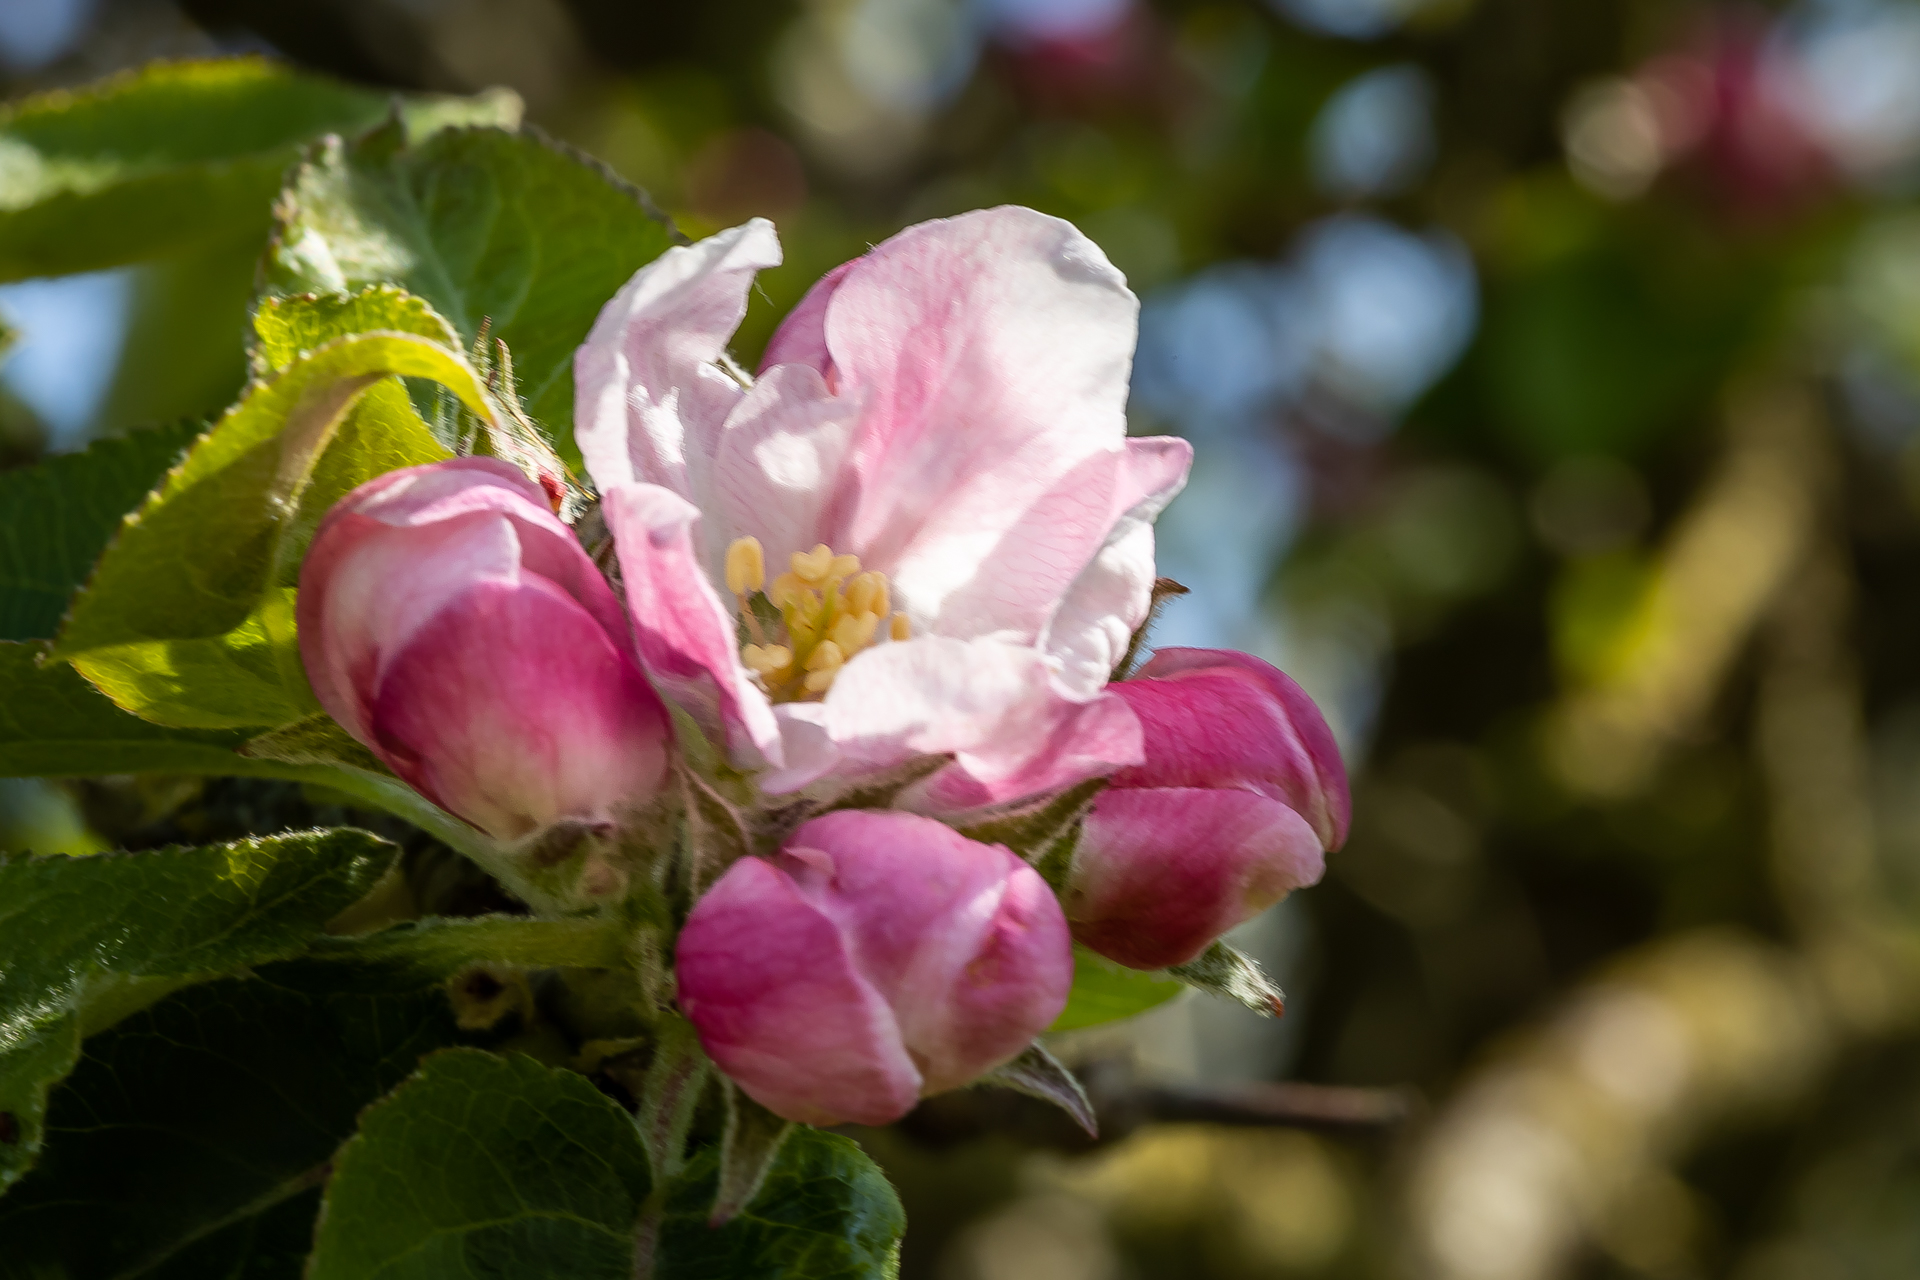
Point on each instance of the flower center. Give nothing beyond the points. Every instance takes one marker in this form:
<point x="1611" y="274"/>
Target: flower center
<point x="798" y="632"/>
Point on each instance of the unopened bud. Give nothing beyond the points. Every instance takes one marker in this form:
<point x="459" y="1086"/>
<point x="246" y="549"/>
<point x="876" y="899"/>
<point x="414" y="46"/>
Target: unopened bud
<point x="876" y="958"/>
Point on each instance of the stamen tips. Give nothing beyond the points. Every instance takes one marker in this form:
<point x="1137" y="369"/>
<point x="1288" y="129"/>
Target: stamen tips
<point x="746" y="566"/>
<point x="812" y="567"/>
<point x="901" y="628"/>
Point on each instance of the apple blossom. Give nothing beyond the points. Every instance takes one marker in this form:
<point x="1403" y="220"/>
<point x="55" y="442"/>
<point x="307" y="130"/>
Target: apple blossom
<point x="920" y="530"/>
<point x="1241" y="794"/>
<point x="877" y="957"/>
<point x="452" y="624"/>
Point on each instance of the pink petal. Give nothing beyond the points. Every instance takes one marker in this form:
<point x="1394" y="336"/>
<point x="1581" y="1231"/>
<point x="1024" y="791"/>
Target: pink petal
<point x="366" y="589"/>
<point x="802" y="336"/>
<point x="779" y="458"/>
<point x="650" y="400"/>
<point x="991" y="703"/>
<point x="781" y="1007"/>
<point x="962" y="939"/>
<point x="1216" y="718"/>
<point x="990" y="354"/>
<point x="419" y="497"/>
<point x="683" y="633"/>
<point x="1108" y="601"/>
<point x="510" y="707"/>
<point x="1160" y="873"/>
<point x="392" y="552"/>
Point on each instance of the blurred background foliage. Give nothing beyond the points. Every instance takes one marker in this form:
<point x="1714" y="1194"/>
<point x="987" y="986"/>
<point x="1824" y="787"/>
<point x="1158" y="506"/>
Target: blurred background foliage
<point x="1555" y="371"/>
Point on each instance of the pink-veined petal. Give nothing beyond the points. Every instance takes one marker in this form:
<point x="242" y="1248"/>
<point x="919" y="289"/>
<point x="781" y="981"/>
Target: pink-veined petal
<point x="649" y="398"/>
<point x="802" y="336"/>
<point x="779" y="458"/>
<point x="510" y="707"/>
<point x="990" y="354"/>
<point x="682" y="632"/>
<point x="991" y="703"/>
<point x="415" y="498"/>
<point x="1109" y="599"/>
<point x="781" y="1007"/>
<point x="1160" y="873"/>
<point x="962" y="939"/>
<point x="1219" y="718"/>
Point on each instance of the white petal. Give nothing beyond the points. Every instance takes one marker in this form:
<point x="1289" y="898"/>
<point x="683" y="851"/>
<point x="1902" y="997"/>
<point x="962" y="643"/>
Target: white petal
<point x="649" y="398"/>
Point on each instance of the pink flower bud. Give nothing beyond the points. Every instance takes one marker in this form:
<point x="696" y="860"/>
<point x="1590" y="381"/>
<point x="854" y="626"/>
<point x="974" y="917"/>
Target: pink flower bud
<point x="454" y="626"/>
<point x="1240" y="796"/>
<point x="876" y="958"/>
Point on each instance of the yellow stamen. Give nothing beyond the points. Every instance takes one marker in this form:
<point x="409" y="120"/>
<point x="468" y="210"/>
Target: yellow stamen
<point x="823" y="664"/>
<point x="867" y="593"/>
<point x="811" y="567"/>
<point x="829" y="611"/>
<point x="746" y="566"/>
<point x="854" y="632"/>
<point x="901" y="628"/>
<point x="789" y="591"/>
<point x="766" y="659"/>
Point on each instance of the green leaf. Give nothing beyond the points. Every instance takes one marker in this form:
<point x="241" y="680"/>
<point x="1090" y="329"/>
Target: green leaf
<point x="54" y="724"/>
<point x="144" y="162"/>
<point x="489" y="1166"/>
<point x="57" y="517"/>
<point x="286" y="328"/>
<point x="84" y="941"/>
<point x="486" y="1166"/>
<point x="204" y="1111"/>
<point x="175" y="154"/>
<point x="1106" y="992"/>
<point x="188" y="620"/>
<point x="317" y="739"/>
<point x="429" y="950"/>
<point x="485" y="225"/>
<point x="269" y="1245"/>
<point x="825" y="1212"/>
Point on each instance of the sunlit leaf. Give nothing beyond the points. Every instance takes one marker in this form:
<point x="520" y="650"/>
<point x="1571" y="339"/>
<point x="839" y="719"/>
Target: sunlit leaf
<point x="486" y="225"/>
<point x="188" y="619"/>
<point x="86" y="940"/>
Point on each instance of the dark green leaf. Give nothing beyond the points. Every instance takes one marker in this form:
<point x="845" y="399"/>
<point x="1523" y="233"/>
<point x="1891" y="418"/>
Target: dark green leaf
<point x="188" y="619"/>
<point x="1106" y="992"/>
<point x="429" y="950"/>
<point x="205" y="1110"/>
<point x="825" y="1212"/>
<point x="54" y="724"/>
<point x="487" y="1166"/>
<point x="485" y="225"/>
<point x="84" y="941"/>
<point x="269" y="1245"/>
<point x="56" y="519"/>
<point x="484" y="1166"/>
<point x="317" y="739"/>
